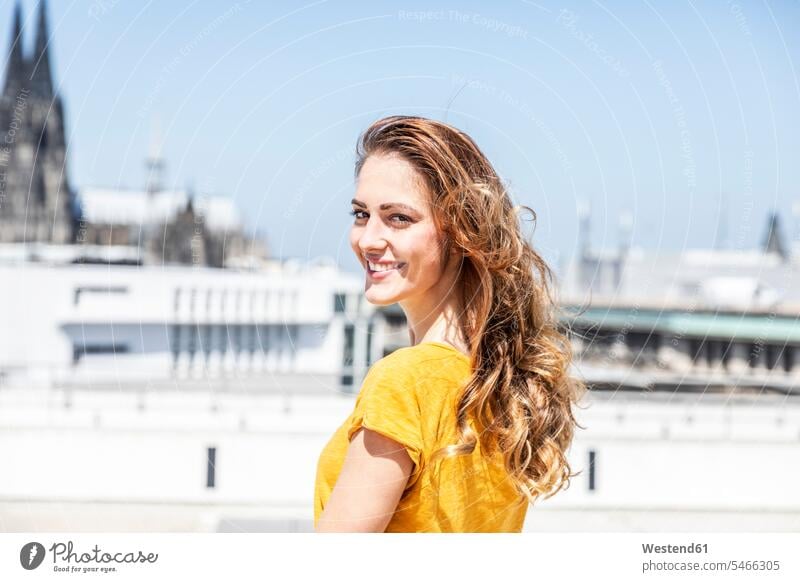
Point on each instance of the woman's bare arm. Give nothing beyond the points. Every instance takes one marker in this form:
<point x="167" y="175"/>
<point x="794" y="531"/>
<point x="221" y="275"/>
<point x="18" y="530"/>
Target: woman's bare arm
<point x="373" y="477"/>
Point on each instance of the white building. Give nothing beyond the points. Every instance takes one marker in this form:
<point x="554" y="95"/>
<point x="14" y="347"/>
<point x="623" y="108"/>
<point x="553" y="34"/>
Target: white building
<point x="206" y="461"/>
<point x="140" y="208"/>
<point x="285" y="326"/>
<point x="698" y="319"/>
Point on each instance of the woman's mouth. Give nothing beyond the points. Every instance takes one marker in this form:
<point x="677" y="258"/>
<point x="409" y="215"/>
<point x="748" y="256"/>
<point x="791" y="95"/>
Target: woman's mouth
<point x="381" y="271"/>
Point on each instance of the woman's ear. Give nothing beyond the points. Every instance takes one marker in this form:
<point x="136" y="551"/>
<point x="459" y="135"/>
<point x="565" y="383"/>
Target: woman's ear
<point x="457" y="250"/>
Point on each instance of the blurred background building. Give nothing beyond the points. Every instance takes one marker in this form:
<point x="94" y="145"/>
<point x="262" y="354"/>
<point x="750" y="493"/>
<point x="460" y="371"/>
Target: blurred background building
<point x="40" y="206"/>
<point x="702" y="319"/>
<point x="36" y="204"/>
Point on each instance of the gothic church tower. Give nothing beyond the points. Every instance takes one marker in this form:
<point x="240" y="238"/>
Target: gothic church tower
<point x="36" y="202"/>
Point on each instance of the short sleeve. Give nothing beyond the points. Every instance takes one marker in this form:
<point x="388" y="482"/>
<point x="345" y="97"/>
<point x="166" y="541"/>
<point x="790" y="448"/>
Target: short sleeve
<point x="387" y="404"/>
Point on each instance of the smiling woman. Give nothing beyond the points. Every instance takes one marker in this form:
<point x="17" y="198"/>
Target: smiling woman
<point x="463" y="429"/>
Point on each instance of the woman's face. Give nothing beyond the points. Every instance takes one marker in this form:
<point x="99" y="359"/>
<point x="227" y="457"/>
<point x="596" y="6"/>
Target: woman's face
<point x="393" y="226"/>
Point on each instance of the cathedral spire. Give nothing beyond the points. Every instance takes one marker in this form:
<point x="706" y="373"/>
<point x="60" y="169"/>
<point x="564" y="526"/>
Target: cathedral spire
<point x="40" y="204"/>
<point x="15" y="70"/>
<point x="154" y="163"/>
<point x="41" y="78"/>
<point x="773" y="241"/>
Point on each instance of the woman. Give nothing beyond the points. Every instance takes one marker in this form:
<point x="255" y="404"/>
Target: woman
<point x="463" y="429"/>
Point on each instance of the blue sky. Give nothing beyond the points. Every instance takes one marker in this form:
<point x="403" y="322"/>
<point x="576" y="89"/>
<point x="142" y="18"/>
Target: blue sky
<point x="676" y="113"/>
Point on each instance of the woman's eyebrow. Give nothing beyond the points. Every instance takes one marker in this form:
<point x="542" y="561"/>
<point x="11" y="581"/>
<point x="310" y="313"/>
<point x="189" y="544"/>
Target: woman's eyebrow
<point x="387" y="205"/>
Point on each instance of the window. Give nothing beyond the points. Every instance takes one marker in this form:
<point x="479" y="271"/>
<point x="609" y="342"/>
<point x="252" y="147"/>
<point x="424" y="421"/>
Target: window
<point x="237" y="339"/>
<point x="81" y="350"/>
<point x="193" y="337"/>
<point x="370" y="341"/>
<point x="105" y="291"/>
<point x="349" y="340"/>
<point x="727" y="353"/>
<point x="211" y="467"/>
<point x="339" y="303"/>
<point x="772" y="356"/>
<point x="711" y="352"/>
<point x="347" y="382"/>
<point x="175" y="342"/>
<point x="251" y="344"/>
<point x="263" y="338"/>
<point x="695" y="349"/>
<point x="754" y="354"/>
<point x="592" y="463"/>
<point x="788" y="358"/>
<point x="207" y="340"/>
<point x="224" y="339"/>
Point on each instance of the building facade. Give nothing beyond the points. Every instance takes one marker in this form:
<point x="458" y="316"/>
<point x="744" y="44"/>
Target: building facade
<point x="36" y="200"/>
<point x="720" y="320"/>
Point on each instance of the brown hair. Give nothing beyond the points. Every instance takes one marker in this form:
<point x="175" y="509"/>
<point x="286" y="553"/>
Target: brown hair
<point x="519" y="389"/>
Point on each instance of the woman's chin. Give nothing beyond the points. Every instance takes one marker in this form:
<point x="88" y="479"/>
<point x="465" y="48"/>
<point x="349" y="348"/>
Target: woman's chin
<point x="380" y="302"/>
<point x="380" y="299"/>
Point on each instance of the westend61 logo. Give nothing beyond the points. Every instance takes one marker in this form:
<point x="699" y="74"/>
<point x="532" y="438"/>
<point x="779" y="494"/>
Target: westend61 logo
<point x="32" y="555"/>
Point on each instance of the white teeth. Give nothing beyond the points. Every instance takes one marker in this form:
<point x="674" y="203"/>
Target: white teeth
<point x="385" y="267"/>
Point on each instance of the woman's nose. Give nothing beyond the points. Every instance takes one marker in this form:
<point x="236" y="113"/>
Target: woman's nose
<point x="372" y="236"/>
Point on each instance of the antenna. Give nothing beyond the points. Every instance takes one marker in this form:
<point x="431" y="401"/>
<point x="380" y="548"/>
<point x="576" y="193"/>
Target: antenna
<point x="721" y="238"/>
<point x="584" y="227"/>
<point x="154" y="163"/>
<point x="625" y="230"/>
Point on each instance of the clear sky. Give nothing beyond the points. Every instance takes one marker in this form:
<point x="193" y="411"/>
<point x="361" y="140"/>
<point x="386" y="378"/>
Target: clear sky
<point x="672" y="113"/>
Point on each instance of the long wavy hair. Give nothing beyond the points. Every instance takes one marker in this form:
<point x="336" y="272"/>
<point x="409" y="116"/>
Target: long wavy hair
<point x="519" y="394"/>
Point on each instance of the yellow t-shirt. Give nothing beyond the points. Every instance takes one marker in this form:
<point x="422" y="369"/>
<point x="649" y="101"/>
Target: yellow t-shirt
<point x="410" y="396"/>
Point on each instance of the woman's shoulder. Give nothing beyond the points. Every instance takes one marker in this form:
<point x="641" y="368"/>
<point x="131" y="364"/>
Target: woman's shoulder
<point x="420" y="363"/>
<point x="427" y="350"/>
<point x="414" y="379"/>
<point x="411" y="358"/>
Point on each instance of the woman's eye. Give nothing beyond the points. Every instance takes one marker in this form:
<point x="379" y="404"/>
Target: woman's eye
<point x="401" y="218"/>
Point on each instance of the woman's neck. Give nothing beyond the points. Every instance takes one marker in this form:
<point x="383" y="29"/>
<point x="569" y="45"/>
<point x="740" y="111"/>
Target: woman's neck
<point x="426" y="325"/>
